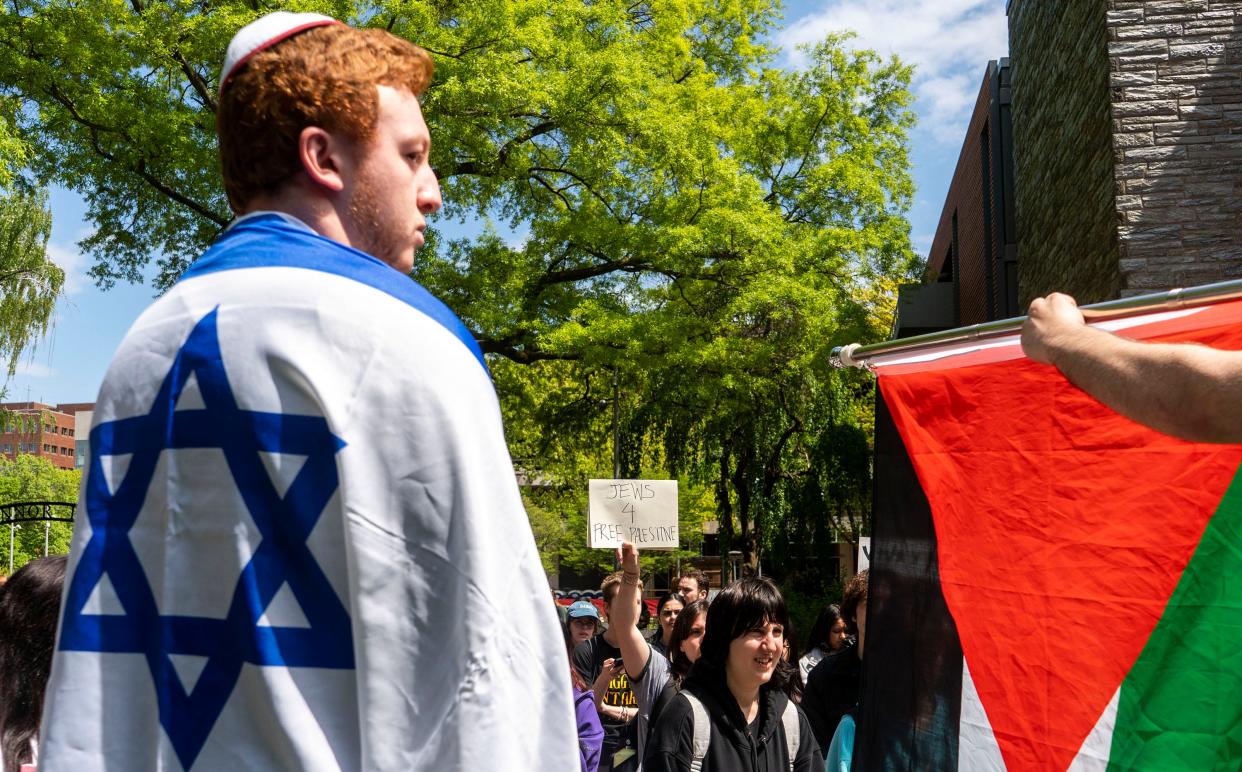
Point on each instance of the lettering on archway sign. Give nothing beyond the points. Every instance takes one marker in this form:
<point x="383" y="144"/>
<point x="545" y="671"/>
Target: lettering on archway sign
<point x="643" y="512"/>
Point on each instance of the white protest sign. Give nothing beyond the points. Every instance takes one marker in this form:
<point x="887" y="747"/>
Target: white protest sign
<point x="864" y="553"/>
<point x="643" y="512"/>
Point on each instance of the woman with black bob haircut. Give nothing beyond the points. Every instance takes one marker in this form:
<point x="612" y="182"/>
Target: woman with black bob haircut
<point x="29" y="611"/>
<point x="734" y="712"/>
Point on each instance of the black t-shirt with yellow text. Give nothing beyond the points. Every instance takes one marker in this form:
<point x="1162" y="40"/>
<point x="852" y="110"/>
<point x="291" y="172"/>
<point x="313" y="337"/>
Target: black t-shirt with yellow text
<point x="588" y="660"/>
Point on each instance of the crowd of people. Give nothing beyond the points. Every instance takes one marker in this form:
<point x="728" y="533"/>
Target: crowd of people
<point x="716" y="685"/>
<point x="299" y="334"/>
<point x="426" y="639"/>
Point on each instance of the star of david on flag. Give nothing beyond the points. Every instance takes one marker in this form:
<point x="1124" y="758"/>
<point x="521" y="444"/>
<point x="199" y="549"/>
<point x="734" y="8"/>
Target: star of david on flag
<point x="279" y="558"/>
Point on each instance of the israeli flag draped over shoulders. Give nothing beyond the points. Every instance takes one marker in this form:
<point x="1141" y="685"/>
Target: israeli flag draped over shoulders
<point x="301" y="544"/>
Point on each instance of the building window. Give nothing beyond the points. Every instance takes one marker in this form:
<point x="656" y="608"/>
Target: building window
<point x="6" y="448"/>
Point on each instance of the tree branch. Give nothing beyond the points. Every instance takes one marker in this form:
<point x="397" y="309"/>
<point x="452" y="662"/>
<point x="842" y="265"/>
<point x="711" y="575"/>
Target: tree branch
<point x="200" y="86"/>
<point x="524" y="355"/>
<point x="810" y="140"/>
<point x="555" y="191"/>
<point x="629" y="264"/>
<point x="474" y="167"/>
<point x="576" y="177"/>
<point x="138" y="168"/>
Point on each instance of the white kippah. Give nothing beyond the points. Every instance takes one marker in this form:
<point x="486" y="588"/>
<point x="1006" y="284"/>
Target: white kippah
<point x="264" y="32"/>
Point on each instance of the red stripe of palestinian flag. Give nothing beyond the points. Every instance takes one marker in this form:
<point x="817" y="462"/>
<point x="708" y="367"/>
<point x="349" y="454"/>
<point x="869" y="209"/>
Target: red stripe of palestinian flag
<point x="1092" y="567"/>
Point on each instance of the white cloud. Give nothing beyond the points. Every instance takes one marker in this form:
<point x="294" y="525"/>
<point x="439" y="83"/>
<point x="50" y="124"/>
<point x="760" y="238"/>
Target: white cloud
<point x="74" y="264"/>
<point x="34" y="370"/>
<point x="949" y="41"/>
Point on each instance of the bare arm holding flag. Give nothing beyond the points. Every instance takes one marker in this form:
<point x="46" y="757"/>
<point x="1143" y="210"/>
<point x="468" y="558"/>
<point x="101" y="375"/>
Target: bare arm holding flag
<point x="1185" y="390"/>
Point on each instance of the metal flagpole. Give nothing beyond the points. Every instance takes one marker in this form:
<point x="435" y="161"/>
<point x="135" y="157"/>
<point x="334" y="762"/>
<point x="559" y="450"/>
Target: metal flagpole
<point x="855" y="355"/>
<point x="616" y="426"/>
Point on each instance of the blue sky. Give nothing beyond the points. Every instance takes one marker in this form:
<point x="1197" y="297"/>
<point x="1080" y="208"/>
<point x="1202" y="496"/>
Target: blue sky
<point x="949" y="41"/>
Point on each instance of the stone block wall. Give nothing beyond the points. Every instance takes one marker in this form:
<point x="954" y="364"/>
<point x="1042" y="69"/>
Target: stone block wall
<point x="1063" y="149"/>
<point x="1176" y="93"/>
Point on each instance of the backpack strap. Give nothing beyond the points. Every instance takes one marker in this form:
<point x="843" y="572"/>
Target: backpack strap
<point x="792" y="730"/>
<point x="702" y="730"/>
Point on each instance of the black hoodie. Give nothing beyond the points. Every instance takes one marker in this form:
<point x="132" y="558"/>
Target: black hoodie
<point x="671" y="746"/>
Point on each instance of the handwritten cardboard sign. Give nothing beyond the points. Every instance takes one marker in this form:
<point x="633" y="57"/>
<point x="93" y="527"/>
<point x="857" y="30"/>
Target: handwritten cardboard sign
<point x="643" y="512"/>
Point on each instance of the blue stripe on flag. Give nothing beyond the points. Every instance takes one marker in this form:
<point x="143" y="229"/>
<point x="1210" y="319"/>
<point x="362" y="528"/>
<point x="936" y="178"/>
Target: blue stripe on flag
<point x="268" y="241"/>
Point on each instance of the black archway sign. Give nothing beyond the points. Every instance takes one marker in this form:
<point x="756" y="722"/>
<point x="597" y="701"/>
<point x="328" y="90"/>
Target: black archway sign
<point x="36" y="512"/>
<point x="15" y="514"/>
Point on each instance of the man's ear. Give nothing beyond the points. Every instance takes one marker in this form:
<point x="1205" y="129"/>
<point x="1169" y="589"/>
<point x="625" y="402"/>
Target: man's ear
<point x="326" y="158"/>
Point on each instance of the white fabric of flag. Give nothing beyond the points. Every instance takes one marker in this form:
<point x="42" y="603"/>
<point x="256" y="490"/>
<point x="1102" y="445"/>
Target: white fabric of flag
<point x="300" y="543"/>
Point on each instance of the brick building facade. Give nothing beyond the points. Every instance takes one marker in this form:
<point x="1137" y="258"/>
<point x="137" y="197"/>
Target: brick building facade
<point x="44" y="430"/>
<point x="972" y="238"/>
<point x="971" y="273"/>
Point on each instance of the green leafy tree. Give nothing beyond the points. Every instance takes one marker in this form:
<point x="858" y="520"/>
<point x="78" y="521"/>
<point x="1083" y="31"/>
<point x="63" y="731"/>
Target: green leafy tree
<point x="29" y="478"/>
<point x="30" y="283"/>
<point x="561" y="395"/>
<point x="677" y="214"/>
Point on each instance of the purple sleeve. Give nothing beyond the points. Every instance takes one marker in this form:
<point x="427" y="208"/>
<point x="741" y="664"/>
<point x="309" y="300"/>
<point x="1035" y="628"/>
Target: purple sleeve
<point x="590" y="731"/>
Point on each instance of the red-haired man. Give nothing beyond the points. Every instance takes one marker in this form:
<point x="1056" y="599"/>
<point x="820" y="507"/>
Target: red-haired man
<point x="302" y="545"/>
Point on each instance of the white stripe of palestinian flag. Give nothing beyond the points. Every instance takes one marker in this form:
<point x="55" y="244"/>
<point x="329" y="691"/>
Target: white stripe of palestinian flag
<point x="978" y="751"/>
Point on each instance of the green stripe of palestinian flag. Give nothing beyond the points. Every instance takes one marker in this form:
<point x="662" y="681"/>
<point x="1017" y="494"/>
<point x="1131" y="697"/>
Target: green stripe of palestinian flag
<point x="1181" y="704"/>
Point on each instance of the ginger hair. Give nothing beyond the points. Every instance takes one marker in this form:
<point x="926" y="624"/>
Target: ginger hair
<point x="325" y="77"/>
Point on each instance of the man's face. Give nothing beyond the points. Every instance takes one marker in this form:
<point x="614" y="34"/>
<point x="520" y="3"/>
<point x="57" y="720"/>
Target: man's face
<point x="688" y="588"/>
<point x="638" y="603"/>
<point x="393" y="187"/>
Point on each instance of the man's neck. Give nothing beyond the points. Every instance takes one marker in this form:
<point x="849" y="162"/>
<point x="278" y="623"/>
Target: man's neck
<point x="610" y="638"/>
<point x="284" y="217"/>
<point x="317" y="214"/>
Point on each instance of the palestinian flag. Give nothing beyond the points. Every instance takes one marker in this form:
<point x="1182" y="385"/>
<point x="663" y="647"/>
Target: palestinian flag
<point x="1053" y="586"/>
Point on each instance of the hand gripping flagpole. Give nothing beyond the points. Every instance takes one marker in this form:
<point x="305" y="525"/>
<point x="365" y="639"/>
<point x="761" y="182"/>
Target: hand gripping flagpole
<point x="857" y="355"/>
